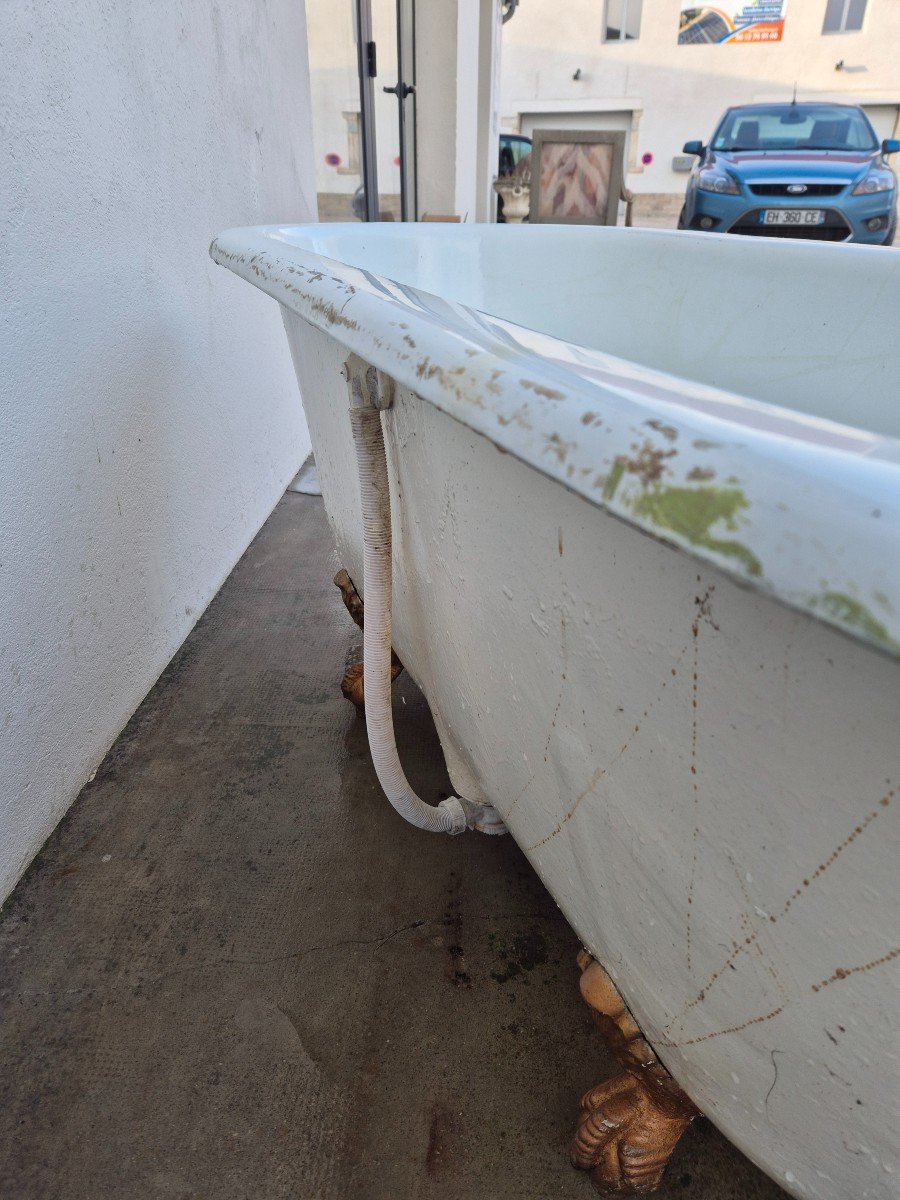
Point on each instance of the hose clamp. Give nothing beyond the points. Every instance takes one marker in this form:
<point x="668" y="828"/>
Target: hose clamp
<point x="453" y="807"/>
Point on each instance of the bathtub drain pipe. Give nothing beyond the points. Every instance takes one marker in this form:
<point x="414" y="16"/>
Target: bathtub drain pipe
<point x="453" y="815"/>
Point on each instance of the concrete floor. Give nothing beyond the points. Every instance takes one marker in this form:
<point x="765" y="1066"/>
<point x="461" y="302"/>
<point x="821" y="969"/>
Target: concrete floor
<point x="234" y="972"/>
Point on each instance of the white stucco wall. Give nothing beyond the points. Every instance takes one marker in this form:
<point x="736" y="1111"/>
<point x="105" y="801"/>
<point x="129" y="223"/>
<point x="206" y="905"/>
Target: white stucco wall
<point x="670" y="93"/>
<point x="151" y="417"/>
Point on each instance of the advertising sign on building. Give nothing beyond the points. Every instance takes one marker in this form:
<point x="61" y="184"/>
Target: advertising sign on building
<point x="758" y="21"/>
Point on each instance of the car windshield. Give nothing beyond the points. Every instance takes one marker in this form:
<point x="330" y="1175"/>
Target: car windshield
<point x="794" y="127"/>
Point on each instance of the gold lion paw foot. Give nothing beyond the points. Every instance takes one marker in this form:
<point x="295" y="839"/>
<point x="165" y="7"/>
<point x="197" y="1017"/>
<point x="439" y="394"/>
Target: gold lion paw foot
<point x="623" y="1138"/>
<point x="352" y="683"/>
<point x="630" y="1125"/>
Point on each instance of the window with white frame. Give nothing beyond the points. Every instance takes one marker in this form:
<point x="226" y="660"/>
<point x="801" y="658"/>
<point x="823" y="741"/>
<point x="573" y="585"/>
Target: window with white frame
<point x="844" y="16"/>
<point x="622" y="20"/>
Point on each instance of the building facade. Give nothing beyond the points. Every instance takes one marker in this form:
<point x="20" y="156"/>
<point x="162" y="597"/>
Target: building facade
<point x="663" y="71"/>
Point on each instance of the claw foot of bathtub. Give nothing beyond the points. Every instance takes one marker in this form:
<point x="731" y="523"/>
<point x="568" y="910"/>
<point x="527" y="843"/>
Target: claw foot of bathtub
<point x="350" y="596"/>
<point x="352" y="683"/>
<point x="630" y="1124"/>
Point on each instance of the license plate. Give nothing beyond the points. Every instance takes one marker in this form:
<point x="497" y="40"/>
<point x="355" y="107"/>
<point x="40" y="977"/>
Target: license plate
<point x="792" y="216"/>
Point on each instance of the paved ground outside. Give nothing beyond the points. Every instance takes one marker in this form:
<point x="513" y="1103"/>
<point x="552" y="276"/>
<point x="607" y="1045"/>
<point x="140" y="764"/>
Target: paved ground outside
<point x="234" y="972"/>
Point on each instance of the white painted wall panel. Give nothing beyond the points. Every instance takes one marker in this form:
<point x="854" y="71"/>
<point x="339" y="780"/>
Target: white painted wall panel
<point x="144" y="435"/>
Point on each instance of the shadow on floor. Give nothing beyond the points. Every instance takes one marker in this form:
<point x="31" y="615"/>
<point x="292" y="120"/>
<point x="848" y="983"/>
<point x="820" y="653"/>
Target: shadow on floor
<point x="235" y="973"/>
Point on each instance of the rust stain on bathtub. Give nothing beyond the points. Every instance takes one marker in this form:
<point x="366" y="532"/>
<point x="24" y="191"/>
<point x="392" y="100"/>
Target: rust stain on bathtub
<point x="451" y="380"/>
<point x="751" y="939"/>
<point x="737" y="950"/>
<point x="491" y="383"/>
<point x="883" y="803"/>
<point x="540" y="390"/>
<point x="555" y="444"/>
<point x="331" y="315"/>
<point x="518" y="797"/>
<point x="520" y="417"/>
<point x="845" y="972"/>
<point x="258" y="264"/>
<point x="601" y="772"/>
<point x="648" y="462"/>
<point x="426" y="369"/>
<point x="668" y="431"/>
<point x="706" y="1037"/>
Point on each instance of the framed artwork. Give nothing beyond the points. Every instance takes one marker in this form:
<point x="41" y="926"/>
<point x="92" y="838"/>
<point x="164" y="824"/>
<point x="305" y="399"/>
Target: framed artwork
<point x="576" y="176"/>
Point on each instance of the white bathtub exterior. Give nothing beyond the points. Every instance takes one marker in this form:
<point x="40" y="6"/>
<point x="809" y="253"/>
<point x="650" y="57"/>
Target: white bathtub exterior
<point x="698" y="754"/>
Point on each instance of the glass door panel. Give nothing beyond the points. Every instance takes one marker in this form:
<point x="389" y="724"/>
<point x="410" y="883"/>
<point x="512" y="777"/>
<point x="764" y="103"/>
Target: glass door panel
<point x="362" y="76"/>
<point x="387" y="122"/>
<point x="337" y="129"/>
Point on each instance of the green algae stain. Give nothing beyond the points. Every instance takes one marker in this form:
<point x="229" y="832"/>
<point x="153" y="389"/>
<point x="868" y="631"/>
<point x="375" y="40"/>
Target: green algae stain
<point x="692" y="512"/>
<point x="884" y="601"/>
<point x="849" y="612"/>
<point x="613" y="479"/>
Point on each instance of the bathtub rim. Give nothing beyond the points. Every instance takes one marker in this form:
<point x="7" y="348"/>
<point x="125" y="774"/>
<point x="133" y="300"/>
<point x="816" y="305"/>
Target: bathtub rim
<point x="531" y="395"/>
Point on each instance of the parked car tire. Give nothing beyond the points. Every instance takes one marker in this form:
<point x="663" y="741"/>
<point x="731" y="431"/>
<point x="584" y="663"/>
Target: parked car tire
<point x="680" y="224"/>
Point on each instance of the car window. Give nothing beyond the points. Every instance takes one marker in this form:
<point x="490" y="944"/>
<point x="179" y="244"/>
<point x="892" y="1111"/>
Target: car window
<point x="795" y="127"/>
<point x="512" y="150"/>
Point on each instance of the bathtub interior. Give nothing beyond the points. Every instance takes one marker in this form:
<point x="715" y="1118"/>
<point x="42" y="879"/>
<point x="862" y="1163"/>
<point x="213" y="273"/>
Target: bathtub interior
<point x="808" y="327"/>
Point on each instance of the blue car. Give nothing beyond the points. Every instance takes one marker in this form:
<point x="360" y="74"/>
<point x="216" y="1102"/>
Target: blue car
<point x="794" y="170"/>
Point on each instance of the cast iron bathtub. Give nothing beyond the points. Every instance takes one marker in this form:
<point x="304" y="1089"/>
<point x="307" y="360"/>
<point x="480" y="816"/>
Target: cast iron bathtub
<point x="646" y="566"/>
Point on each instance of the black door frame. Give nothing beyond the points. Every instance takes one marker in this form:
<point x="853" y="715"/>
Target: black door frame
<point x="404" y="90"/>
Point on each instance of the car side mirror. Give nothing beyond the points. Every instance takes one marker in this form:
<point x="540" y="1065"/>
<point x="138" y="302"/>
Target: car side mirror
<point x="697" y="148"/>
<point x="890" y="146"/>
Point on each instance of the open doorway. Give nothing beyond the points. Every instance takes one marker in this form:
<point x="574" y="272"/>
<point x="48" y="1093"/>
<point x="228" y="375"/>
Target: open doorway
<point x="362" y="82"/>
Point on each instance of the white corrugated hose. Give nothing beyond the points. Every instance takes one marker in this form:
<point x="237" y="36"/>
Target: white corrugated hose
<point x="453" y="815"/>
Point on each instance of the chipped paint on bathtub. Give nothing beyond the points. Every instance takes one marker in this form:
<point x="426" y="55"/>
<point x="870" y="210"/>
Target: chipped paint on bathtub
<point x="578" y="428"/>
